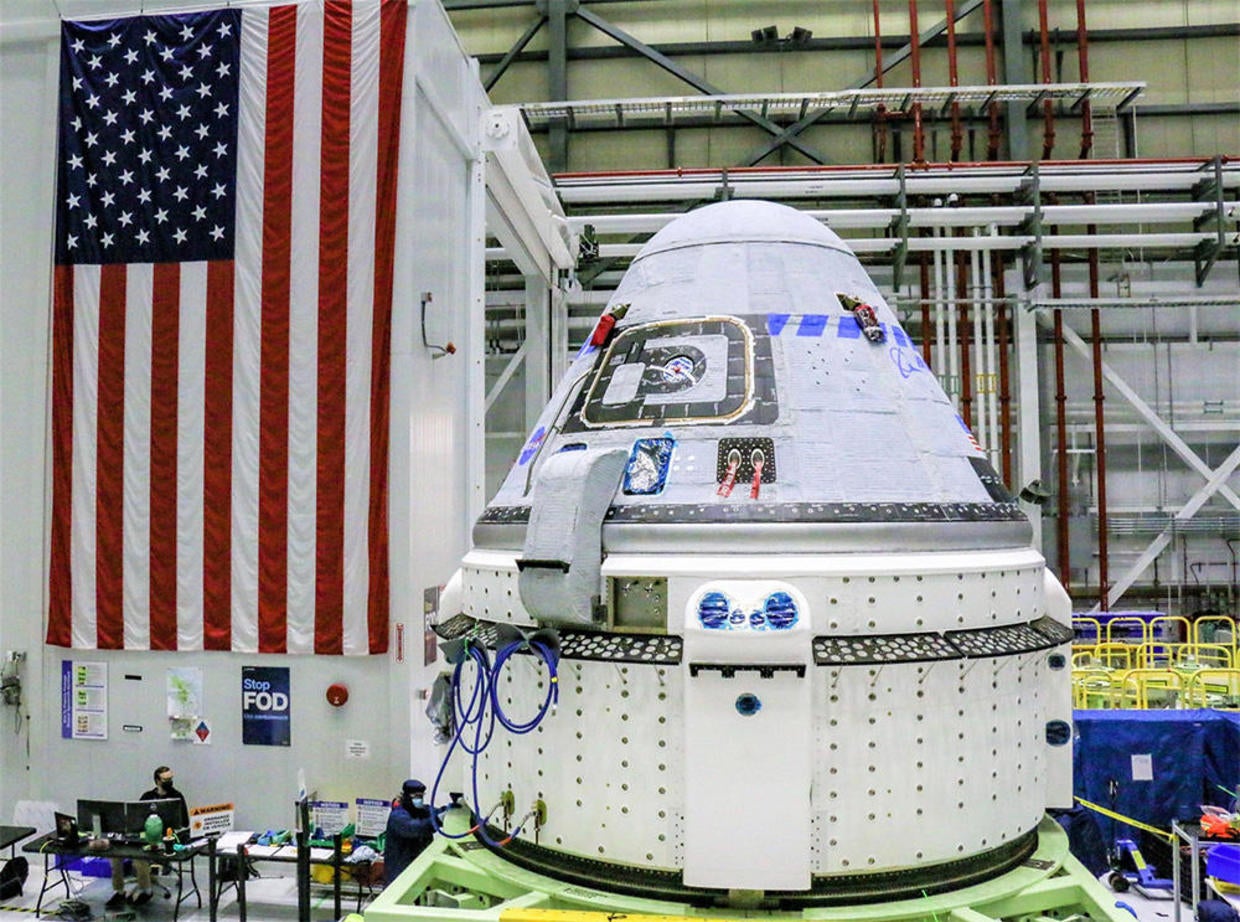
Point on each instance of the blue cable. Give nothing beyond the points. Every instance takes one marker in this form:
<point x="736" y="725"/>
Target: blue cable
<point x="483" y="710"/>
<point x="476" y="653"/>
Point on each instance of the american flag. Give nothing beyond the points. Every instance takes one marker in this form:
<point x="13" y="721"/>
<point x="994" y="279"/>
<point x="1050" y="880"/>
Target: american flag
<point x="225" y="230"/>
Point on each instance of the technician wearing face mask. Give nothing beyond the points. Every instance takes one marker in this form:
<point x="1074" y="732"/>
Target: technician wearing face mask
<point x="409" y="829"/>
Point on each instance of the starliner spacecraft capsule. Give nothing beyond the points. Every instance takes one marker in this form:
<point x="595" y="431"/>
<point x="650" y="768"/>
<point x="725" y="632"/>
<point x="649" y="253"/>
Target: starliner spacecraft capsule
<point x="804" y="644"/>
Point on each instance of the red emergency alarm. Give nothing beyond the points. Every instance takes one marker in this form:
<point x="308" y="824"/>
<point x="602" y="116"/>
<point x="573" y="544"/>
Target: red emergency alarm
<point x="337" y="694"/>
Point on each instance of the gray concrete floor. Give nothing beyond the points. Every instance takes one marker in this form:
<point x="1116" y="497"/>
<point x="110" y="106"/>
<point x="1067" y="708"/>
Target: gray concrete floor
<point x="274" y="899"/>
<point x="268" y="899"/>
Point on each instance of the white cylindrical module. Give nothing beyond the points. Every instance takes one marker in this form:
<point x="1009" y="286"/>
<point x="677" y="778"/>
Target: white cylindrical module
<point x="805" y="647"/>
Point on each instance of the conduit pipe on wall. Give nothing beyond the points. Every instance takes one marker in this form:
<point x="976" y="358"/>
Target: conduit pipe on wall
<point x="1100" y="441"/>
<point x="953" y="78"/>
<point x="949" y="309"/>
<point x="880" y="154"/>
<point x="988" y="332"/>
<point x="1005" y="393"/>
<point x="924" y="265"/>
<point x="994" y="134"/>
<point x="919" y="143"/>
<point x="1087" y="114"/>
<point x="1061" y="430"/>
<point x="980" y="345"/>
<point x="940" y="331"/>
<point x="1048" y="107"/>
<point x="966" y="365"/>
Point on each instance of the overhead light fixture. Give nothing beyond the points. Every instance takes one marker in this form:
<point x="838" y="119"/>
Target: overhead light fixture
<point x="767" y="35"/>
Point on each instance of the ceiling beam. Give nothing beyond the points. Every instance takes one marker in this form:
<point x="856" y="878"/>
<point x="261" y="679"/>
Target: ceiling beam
<point x="695" y="81"/>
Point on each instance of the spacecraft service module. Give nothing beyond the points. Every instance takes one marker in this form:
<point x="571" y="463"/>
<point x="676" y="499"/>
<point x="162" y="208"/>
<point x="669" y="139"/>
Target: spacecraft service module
<point x="793" y="646"/>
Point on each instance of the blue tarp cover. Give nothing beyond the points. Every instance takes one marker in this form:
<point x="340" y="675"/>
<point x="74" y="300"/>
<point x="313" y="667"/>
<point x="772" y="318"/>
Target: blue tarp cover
<point x="1191" y="754"/>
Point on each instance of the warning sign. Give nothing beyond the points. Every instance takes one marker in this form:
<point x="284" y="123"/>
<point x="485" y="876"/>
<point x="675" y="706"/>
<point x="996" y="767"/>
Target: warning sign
<point x="211" y="819"/>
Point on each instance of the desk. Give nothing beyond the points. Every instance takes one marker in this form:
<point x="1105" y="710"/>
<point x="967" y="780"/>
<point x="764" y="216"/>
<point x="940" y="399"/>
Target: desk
<point x="47" y="846"/>
<point x="11" y="835"/>
<point x="301" y="855"/>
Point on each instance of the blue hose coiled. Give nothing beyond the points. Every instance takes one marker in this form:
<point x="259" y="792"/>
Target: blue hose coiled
<point x="477" y="716"/>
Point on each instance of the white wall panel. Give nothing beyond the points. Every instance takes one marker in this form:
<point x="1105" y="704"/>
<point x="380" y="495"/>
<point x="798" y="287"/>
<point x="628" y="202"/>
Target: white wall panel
<point x="430" y="475"/>
<point x="25" y="242"/>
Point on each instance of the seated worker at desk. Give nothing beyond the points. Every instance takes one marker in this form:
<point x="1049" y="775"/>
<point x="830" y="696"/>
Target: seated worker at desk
<point x="163" y="790"/>
<point x="409" y="829"/>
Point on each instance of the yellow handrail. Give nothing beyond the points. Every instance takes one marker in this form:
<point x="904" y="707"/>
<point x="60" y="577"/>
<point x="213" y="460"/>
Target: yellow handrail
<point x="1079" y="622"/>
<point x="1171" y="628"/>
<point x="1167" y="685"/>
<point x="1214" y="688"/>
<point x="1156" y="654"/>
<point x="1094" y="687"/>
<point x="1209" y="655"/>
<point x="1221" y="621"/>
<point x="1117" y="655"/>
<point x="1126" y="619"/>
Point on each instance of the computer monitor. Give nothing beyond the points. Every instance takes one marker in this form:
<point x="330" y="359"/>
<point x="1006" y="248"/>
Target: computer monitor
<point x="168" y="810"/>
<point x="66" y="829"/>
<point x="101" y="817"/>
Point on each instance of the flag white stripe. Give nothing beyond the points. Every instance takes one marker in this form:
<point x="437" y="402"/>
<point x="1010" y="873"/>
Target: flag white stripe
<point x="85" y="454"/>
<point x="191" y="432"/>
<point x="363" y="151"/>
<point x="303" y="329"/>
<point x="247" y="315"/>
<point x="139" y="287"/>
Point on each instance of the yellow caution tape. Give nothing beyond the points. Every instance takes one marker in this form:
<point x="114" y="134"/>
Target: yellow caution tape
<point x="1128" y="820"/>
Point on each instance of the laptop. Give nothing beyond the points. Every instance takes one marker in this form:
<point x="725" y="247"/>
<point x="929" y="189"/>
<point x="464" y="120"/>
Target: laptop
<point x="66" y="829"/>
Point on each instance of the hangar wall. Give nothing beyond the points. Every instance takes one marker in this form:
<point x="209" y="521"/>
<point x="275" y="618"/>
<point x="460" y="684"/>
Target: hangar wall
<point x="1174" y="46"/>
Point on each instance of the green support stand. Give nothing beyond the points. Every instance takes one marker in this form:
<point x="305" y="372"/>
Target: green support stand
<point x="461" y="881"/>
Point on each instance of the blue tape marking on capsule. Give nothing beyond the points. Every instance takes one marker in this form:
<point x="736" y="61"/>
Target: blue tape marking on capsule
<point x="900" y="337"/>
<point x="848" y="328"/>
<point x="775" y="323"/>
<point x="812" y="325"/>
<point x="531" y="447"/>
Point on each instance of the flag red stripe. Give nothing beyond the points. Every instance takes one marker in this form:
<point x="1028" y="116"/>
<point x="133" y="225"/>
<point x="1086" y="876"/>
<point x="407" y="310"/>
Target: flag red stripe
<point x="217" y="461"/>
<point x="274" y="386"/>
<point x="165" y="340"/>
<point x="60" y="594"/>
<point x="109" y="466"/>
<point x="333" y="328"/>
<point x="391" y="76"/>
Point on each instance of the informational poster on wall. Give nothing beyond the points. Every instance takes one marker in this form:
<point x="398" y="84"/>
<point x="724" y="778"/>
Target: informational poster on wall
<point x="184" y="694"/>
<point x="372" y="816"/>
<point x="328" y="817"/>
<point x="83" y="700"/>
<point x="266" y="708"/>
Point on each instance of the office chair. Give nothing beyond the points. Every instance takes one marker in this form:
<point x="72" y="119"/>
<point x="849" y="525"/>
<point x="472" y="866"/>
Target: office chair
<point x="157" y="872"/>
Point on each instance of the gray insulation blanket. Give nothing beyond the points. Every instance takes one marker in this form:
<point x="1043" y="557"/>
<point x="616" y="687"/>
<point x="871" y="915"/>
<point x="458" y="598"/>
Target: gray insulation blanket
<point x="563" y="550"/>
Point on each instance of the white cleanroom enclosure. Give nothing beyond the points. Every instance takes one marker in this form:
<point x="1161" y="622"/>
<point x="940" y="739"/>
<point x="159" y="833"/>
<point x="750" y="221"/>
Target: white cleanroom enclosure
<point x="434" y="450"/>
